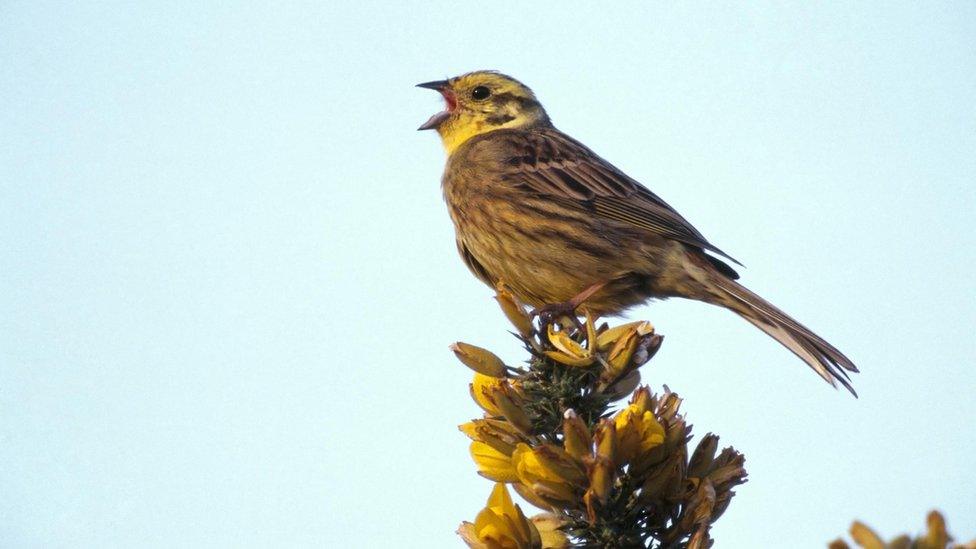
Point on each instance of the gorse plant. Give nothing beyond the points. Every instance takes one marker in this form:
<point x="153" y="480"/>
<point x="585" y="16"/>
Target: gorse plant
<point x="935" y="537"/>
<point x="603" y="477"/>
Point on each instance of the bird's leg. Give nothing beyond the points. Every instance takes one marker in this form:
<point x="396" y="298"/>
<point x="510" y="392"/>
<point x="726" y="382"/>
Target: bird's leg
<point x="549" y="313"/>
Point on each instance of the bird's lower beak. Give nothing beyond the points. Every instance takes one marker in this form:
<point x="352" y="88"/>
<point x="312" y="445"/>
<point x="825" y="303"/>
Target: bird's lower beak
<point x="442" y="86"/>
<point x="435" y="121"/>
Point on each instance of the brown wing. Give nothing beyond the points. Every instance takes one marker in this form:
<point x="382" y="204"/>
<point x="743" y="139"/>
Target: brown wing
<point x="548" y="162"/>
<point x="474" y="266"/>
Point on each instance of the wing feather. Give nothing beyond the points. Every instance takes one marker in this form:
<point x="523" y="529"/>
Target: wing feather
<point x="549" y="162"/>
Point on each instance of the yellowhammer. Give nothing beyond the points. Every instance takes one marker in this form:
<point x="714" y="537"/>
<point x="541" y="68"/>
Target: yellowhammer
<point x="537" y="211"/>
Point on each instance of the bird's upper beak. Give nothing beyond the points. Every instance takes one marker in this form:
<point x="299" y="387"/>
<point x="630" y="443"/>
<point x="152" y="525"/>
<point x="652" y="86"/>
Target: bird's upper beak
<point x="444" y="87"/>
<point x="437" y="85"/>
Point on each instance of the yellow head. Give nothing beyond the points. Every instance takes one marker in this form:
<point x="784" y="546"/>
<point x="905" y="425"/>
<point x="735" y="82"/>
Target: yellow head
<point x="480" y="102"/>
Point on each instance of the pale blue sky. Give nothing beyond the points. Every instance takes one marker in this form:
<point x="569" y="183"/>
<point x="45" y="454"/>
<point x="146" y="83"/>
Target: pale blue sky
<point x="228" y="280"/>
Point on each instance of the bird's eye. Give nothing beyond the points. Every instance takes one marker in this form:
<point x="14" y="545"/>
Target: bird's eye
<point x="480" y="93"/>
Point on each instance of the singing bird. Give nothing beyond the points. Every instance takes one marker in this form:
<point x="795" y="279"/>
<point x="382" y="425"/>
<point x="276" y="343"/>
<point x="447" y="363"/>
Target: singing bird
<point x="537" y="211"/>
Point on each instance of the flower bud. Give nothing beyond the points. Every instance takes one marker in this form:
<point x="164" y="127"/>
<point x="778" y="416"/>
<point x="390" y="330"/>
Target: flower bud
<point x="507" y="401"/>
<point x="480" y="360"/>
<point x="576" y="437"/>
<point x="701" y="459"/>
<point x="514" y="312"/>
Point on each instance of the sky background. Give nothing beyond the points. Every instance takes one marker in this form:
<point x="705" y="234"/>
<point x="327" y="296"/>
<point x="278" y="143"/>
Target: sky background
<point x="228" y="280"/>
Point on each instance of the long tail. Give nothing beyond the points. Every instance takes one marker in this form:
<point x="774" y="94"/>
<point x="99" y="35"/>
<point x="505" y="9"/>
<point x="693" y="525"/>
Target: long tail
<point x="824" y="358"/>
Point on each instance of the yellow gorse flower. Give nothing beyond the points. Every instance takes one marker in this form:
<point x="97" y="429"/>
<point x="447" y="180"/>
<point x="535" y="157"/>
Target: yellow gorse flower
<point x="493" y="464"/>
<point x="608" y="337"/>
<point x="480" y="390"/>
<point x="550" y="472"/>
<point x="500" y="525"/>
<point x="548" y="526"/>
<point x="638" y="431"/>
<point x="569" y="351"/>
<point x="500" y="435"/>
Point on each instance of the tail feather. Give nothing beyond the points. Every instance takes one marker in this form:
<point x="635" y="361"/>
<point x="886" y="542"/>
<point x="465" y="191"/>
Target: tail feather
<point x="822" y="357"/>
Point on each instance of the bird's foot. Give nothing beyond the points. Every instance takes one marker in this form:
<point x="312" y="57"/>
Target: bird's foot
<point x="548" y="314"/>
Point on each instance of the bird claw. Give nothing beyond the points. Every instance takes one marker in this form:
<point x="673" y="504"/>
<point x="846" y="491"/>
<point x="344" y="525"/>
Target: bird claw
<point x="548" y="314"/>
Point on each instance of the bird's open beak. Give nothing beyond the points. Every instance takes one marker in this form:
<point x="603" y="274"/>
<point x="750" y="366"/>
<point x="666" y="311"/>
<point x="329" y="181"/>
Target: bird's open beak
<point x="442" y="86"/>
